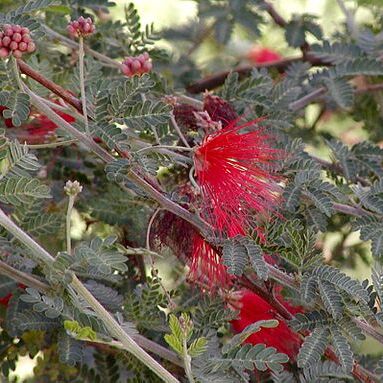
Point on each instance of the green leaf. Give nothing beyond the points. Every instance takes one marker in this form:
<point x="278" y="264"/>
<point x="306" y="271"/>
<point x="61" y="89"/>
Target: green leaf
<point x="313" y="347"/>
<point x="331" y="299"/>
<point x="343" y="350"/>
<point x="70" y="350"/>
<point x="19" y="191"/>
<point x="197" y="347"/>
<point x="17" y="104"/>
<point x="238" y="339"/>
<point x="249" y="357"/>
<point x="239" y="251"/>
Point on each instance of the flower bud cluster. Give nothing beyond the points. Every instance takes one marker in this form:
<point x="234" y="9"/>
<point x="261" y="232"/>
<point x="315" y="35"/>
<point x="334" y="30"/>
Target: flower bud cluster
<point x="138" y="65"/>
<point x="15" y="40"/>
<point x="82" y="27"/>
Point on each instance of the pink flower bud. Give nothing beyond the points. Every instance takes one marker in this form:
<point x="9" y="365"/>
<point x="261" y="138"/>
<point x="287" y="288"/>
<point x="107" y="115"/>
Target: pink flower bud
<point x="16" y="28"/>
<point x="8" y="32"/>
<point x="17" y="53"/>
<point x="27" y="38"/>
<point x="16" y="37"/>
<point x="136" y="65"/>
<point x="13" y="45"/>
<point x="31" y="47"/>
<point x="148" y="66"/>
<point x="23" y="46"/>
<point x="6" y="41"/>
<point x="24" y="30"/>
<point x="4" y="52"/>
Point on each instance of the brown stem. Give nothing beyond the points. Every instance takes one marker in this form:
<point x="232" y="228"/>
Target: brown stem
<point x="278" y="19"/>
<point x="53" y="87"/>
<point x="218" y="79"/>
<point x="336" y="168"/>
<point x="22" y="277"/>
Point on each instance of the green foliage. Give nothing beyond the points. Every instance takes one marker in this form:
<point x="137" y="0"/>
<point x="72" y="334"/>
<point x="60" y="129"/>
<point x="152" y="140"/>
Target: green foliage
<point x="71" y="350"/>
<point x="179" y="339"/>
<point x="17" y="105"/>
<point x="313" y="347"/>
<point x="18" y="191"/>
<point x="296" y="29"/>
<point x="76" y="331"/>
<point x="239" y="252"/>
<point x="19" y="162"/>
<point x="249" y="357"/>
<point x="52" y="307"/>
<point x="141" y="307"/>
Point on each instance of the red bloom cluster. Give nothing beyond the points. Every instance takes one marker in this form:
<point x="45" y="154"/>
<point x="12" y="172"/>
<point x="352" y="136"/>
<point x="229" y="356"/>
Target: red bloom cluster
<point x="234" y="169"/>
<point x="138" y="65"/>
<point x="219" y="109"/>
<point x="42" y="126"/>
<point x="252" y="309"/>
<point x="260" y="55"/>
<point x="8" y="121"/>
<point x="206" y="267"/>
<point x="15" y="40"/>
<point x="83" y="27"/>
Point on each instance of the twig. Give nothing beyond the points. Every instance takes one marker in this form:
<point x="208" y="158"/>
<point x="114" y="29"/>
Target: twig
<point x="72" y="44"/>
<point x="317" y="93"/>
<point x="171" y="147"/>
<point x="68" y="222"/>
<point x="178" y="130"/>
<point x="22" y="277"/>
<point x="218" y="79"/>
<point x="278" y="19"/>
<point x="57" y="89"/>
<point x="115" y="330"/>
<point x="81" y="56"/>
<point x="112" y="325"/>
<point x="305" y="100"/>
<point x="52" y="144"/>
<point x="335" y="167"/>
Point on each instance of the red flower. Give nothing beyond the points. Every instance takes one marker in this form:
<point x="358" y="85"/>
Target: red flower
<point x="7" y="121"/>
<point x="206" y="266"/>
<point x="42" y="126"/>
<point x="234" y="168"/>
<point x="5" y="300"/>
<point x="252" y="309"/>
<point x="259" y="55"/>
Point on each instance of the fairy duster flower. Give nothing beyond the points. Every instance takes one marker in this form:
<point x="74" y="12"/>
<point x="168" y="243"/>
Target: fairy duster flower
<point x="235" y="169"/>
<point x="253" y="308"/>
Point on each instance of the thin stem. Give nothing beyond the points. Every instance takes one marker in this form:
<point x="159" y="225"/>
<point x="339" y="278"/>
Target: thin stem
<point x="50" y="113"/>
<point x="171" y="147"/>
<point x="178" y="130"/>
<point x="53" y="87"/>
<point x="149" y="253"/>
<point x="52" y="144"/>
<point x="305" y="100"/>
<point x="116" y="331"/>
<point x="146" y="344"/>
<point x="68" y="223"/>
<point x="72" y="44"/>
<point x="190" y="100"/>
<point x="22" y="277"/>
<point x="150" y="224"/>
<point x="16" y="73"/>
<point x="351" y="210"/>
<point x="23" y="237"/>
<point x="187" y="362"/>
<point x="192" y="179"/>
<point x="81" y="56"/>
